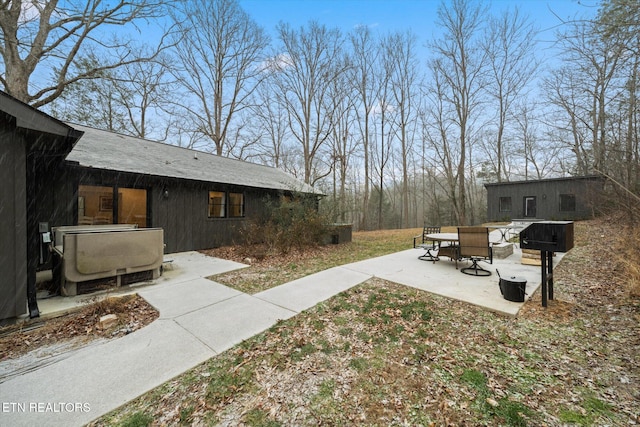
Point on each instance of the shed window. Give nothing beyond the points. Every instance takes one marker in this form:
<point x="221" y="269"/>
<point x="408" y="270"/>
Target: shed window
<point x="217" y="204"/>
<point x="505" y="204"/>
<point x="567" y="203"/>
<point x="236" y="205"/>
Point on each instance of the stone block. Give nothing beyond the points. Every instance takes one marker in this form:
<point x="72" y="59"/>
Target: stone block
<point x="107" y="321"/>
<point x="502" y="250"/>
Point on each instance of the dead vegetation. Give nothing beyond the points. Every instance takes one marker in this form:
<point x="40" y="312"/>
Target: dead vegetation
<point x="269" y="268"/>
<point x="385" y="354"/>
<point x="133" y="313"/>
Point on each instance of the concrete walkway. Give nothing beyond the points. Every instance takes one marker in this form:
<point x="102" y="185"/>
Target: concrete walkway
<point x="200" y="318"/>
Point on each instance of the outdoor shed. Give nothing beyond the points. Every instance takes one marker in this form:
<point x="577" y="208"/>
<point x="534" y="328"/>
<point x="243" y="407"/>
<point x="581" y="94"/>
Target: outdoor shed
<point x="571" y="198"/>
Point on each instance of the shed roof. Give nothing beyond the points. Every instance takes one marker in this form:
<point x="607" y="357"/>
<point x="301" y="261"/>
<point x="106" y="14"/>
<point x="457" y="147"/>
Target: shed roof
<point x="112" y="151"/>
<point x="538" y="181"/>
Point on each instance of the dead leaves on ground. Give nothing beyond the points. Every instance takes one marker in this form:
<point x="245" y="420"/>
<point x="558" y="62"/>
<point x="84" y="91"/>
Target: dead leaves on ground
<point x="384" y="354"/>
<point x="133" y="313"/>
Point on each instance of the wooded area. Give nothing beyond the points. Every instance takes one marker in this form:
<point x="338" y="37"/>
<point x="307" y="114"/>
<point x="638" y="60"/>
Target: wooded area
<point x="393" y="137"/>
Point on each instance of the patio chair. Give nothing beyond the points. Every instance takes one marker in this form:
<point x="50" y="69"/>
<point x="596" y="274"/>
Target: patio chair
<point x="101" y="220"/>
<point x="474" y="244"/>
<point x="425" y="240"/>
<point x="450" y="250"/>
<point x="85" y="220"/>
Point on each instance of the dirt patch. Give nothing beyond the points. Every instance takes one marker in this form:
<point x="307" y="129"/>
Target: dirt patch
<point x="78" y="328"/>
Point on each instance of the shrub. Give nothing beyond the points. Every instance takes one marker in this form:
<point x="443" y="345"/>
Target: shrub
<point x="287" y="224"/>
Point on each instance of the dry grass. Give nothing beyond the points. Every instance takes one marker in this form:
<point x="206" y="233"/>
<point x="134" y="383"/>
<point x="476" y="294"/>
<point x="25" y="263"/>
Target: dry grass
<point x="268" y="270"/>
<point x="629" y="257"/>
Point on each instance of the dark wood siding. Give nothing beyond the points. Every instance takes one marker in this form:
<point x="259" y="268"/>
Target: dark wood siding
<point x="183" y="213"/>
<point x="13" y="227"/>
<point x="587" y="190"/>
<point x="33" y="189"/>
<point x="184" y="216"/>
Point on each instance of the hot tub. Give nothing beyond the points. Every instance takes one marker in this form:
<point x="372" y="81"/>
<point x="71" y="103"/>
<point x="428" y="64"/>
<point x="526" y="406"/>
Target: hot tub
<point x="90" y="252"/>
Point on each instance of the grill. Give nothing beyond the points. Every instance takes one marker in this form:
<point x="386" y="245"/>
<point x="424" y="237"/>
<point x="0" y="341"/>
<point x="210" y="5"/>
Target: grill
<point x="547" y="237"/>
<point x="554" y="236"/>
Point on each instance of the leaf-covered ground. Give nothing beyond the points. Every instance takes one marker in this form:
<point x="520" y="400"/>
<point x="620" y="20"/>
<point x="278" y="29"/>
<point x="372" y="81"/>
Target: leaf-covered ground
<point x="78" y="328"/>
<point x="384" y="354"/>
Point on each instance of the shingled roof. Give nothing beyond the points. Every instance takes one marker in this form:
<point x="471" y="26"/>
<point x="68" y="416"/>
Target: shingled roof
<point x="112" y="151"/>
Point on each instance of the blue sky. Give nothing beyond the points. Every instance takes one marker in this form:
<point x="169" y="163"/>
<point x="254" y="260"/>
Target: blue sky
<point x="418" y="15"/>
<point x="392" y="15"/>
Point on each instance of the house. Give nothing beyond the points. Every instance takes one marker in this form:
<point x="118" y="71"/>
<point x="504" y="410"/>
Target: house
<point x="53" y="174"/>
<point x="570" y="198"/>
<point x="200" y="200"/>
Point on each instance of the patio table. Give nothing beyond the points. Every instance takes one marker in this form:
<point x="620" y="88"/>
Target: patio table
<point x="437" y="237"/>
<point x="505" y="230"/>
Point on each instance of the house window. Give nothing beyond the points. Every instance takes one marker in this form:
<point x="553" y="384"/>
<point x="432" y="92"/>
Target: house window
<point x="567" y="203"/>
<point x="236" y="205"/>
<point x="505" y="204"/>
<point x="217" y="202"/>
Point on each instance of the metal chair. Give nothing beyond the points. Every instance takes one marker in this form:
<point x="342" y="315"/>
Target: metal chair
<point x="450" y="250"/>
<point x="426" y="230"/>
<point x="473" y="243"/>
<point x="429" y="245"/>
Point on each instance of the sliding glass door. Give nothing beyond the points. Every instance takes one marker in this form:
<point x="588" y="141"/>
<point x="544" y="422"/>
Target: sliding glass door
<point x="112" y="205"/>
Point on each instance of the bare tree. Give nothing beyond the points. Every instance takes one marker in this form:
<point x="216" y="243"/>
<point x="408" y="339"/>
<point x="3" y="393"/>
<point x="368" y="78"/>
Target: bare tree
<point x="542" y="156"/>
<point x="342" y="115"/>
<point x="134" y="99"/>
<point x="510" y="45"/>
<point x="563" y="92"/>
<point x="365" y="77"/>
<point x="384" y="131"/>
<point x="42" y="38"/>
<point x="100" y="93"/>
<point x="399" y="54"/>
<point x="584" y="88"/>
<point x="270" y="123"/>
<point x="459" y="69"/>
<point x="309" y="61"/>
<point x="618" y="23"/>
<point x="220" y="50"/>
<point x="150" y="87"/>
<point x="442" y="152"/>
